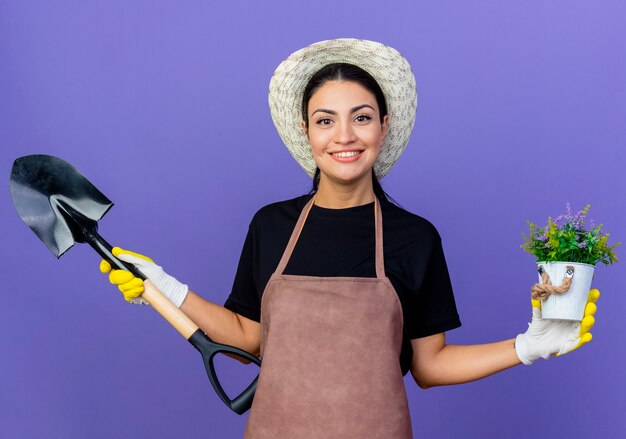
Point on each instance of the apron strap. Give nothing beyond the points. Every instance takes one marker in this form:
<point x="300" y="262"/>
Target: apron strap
<point x="294" y="236"/>
<point x="378" y="225"/>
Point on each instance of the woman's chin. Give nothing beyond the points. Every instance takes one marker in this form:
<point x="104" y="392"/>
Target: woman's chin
<point x="347" y="176"/>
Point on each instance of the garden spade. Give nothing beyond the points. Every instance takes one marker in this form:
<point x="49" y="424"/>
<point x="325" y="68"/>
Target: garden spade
<point x="62" y="207"/>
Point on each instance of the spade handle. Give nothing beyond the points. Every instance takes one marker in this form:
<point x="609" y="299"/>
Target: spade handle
<point x="168" y="310"/>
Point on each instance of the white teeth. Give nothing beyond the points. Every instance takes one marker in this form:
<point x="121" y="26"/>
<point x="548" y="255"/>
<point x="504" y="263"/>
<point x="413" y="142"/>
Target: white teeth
<point x="346" y="154"/>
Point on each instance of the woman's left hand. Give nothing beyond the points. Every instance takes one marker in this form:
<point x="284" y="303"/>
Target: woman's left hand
<point x="546" y="337"/>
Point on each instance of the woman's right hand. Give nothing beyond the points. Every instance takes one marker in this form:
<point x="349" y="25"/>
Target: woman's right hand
<point x="132" y="287"/>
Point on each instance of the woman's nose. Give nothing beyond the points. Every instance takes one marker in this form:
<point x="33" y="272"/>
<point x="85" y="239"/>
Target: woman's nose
<point x="345" y="132"/>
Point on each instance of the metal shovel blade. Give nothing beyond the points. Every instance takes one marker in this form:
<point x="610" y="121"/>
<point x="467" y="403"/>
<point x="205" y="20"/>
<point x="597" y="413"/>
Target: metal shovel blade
<point x="45" y="191"/>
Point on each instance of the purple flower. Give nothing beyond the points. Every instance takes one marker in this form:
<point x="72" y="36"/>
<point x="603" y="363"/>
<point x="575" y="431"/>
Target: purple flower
<point x="568" y="210"/>
<point x="558" y="220"/>
<point x="542" y="238"/>
<point x="592" y="224"/>
<point x="577" y="222"/>
<point x="567" y="218"/>
<point x="582" y="245"/>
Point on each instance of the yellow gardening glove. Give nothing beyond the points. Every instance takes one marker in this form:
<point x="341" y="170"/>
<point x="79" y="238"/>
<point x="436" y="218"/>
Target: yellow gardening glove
<point x="584" y="336"/>
<point x="546" y="337"/>
<point x="132" y="287"/>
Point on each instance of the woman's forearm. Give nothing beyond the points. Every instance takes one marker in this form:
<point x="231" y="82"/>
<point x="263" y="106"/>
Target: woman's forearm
<point x="220" y="324"/>
<point x="456" y="364"/>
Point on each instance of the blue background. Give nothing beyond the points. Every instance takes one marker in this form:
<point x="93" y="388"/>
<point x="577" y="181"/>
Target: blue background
<point x="163" y="105"/>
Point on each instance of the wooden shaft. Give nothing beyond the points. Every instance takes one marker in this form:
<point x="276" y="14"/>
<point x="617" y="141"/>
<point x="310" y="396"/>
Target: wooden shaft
<point x="168" y="310"/>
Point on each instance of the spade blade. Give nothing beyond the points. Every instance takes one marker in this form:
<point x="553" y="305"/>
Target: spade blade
<point x="53" y="198"/>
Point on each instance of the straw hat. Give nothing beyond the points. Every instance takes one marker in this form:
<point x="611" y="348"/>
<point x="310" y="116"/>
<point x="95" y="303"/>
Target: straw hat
<point x="390" y="69"/>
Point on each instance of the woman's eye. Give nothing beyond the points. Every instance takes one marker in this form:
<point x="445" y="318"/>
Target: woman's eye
<point x="362" y="118"/>
<point x="324" y="121"/>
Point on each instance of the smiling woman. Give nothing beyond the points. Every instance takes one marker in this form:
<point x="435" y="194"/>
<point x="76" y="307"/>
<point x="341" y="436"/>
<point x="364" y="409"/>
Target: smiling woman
<point x="330" y="293"/>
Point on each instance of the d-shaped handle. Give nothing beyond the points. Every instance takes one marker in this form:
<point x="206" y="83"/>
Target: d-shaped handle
<point x="209" y="349"/>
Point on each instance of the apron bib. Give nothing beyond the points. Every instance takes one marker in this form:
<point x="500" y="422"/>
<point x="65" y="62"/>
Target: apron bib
<point x="331" y="349"/>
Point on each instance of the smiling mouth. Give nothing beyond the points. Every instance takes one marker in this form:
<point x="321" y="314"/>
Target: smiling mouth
<point x="345" y="154"/>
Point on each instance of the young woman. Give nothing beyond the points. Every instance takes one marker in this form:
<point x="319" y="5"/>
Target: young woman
<point x="341" y="291"/>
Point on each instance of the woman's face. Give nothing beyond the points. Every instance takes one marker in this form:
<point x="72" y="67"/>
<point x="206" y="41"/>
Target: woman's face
<point x="345" y="131"/>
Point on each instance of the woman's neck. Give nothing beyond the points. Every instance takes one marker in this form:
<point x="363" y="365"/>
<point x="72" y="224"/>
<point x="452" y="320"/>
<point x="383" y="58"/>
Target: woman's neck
<point x="332" y="195"/>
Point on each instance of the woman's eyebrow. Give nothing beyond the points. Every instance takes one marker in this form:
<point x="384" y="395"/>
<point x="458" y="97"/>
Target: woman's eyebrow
<point x="357" y="108"/>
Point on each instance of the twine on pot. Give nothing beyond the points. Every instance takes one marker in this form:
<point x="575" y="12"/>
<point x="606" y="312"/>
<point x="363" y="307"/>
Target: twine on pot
<point x="543" y="290"/>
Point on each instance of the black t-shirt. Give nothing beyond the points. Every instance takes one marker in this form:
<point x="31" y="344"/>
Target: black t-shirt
<point x="341" y="242"/>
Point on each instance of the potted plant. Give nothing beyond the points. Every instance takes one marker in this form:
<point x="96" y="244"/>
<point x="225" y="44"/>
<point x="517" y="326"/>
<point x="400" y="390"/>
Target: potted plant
<point x="567" y="251"/>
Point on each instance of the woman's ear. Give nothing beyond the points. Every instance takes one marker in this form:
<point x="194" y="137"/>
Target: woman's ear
<point x="304" y="128"/>
<point x="384" y="128"/>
